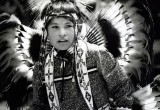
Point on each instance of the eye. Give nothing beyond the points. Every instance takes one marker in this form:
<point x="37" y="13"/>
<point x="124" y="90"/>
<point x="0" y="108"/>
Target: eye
<point x="55" y="27"/>
<point x="68" y="26"/>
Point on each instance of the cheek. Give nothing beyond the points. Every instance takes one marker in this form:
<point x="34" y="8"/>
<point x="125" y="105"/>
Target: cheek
<point x="52" y="38"/>
<point x="71" y="35"/>
<point x="52" y="35"/>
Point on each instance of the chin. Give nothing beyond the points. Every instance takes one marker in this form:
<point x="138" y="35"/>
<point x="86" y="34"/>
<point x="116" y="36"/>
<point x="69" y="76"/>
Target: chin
<point x="65" y="48"/>
<point x="62" y="49"/>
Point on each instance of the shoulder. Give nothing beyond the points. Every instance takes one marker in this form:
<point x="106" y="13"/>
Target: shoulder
<point x="94" y="47"/>
<point x="99" y="51"/>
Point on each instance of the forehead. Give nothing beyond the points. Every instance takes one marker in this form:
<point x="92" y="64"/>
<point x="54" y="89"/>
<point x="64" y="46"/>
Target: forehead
<point x="60" y="20"/>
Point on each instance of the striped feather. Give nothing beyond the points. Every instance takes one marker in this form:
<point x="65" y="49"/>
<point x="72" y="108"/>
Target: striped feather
<point x="11" y="59"/>
<point x="132" y="45"/>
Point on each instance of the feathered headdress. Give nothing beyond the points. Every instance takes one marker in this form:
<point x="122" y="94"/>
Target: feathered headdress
<point x="44" y="8"/>
<point x="125" y="29"/>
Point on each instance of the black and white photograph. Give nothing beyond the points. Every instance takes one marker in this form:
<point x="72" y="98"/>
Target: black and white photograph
<point x="79" y="55"/>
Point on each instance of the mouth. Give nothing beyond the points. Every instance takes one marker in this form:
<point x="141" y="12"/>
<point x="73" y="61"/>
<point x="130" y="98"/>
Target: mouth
<point x="62" y="41"/>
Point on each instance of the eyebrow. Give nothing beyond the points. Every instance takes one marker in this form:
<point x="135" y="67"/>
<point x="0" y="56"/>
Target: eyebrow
<point x="57" y="23"/>
<point x="69" y="23"/>
<point x="53" y="23"/>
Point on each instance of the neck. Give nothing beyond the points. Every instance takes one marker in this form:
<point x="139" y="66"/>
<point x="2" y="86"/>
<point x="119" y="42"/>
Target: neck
<point x="69" y="50"/>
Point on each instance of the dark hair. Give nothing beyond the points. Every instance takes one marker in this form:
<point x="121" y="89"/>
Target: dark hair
<point x="58" y="7"/>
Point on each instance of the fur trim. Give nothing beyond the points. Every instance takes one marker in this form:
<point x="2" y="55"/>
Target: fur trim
<point x="35" y="46"/>
<point x="112" y="37"/>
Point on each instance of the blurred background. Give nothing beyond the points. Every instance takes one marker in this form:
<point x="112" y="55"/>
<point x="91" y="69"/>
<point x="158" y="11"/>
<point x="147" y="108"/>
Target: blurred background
<point x="21" y="9"/>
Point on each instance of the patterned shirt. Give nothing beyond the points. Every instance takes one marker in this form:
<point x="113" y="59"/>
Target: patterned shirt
<point x="107" y="82"/>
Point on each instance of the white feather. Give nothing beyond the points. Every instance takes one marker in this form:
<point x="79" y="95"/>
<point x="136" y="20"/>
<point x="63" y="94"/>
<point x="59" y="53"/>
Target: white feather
<point x="39" y="4"/>
<point x="25" y="41"/>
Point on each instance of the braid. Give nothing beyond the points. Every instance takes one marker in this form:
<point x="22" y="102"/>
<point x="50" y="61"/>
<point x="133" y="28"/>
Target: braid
<point x="45" y="48"/>
<point x="41" y="60"/>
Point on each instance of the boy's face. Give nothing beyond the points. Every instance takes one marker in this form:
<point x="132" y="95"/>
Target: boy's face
<point x="61" y="33"/>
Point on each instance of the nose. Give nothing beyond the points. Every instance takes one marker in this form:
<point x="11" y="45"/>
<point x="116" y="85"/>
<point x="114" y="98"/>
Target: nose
<point x="62" y="32"/>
